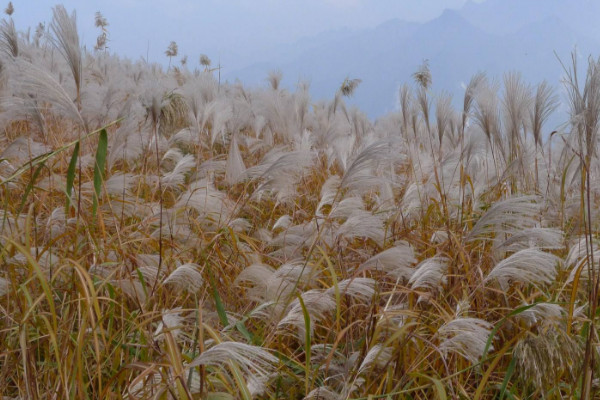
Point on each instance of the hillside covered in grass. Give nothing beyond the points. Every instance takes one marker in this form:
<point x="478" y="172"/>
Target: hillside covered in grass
<point x="167" y="236"/>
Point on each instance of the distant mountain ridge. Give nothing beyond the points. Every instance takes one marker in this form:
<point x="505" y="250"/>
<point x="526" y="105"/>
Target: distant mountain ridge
<point x="495" y="36"/>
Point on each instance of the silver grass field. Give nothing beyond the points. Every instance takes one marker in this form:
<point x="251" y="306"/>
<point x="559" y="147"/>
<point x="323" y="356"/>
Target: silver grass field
<point x="164" y="235"/>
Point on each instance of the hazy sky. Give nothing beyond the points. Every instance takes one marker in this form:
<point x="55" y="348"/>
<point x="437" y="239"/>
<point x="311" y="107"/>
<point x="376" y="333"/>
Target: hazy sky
<point x="237" y="32"/>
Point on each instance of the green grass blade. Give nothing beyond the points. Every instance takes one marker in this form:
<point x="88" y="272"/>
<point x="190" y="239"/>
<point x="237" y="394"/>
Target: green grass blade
<point x="509" y="372"/>
<point x="99" y="167"/>
<point x="307" y="344"/>
<point x="29" y="187"/>
<point x="71" y="175"/>
<point x="42" y="158"/>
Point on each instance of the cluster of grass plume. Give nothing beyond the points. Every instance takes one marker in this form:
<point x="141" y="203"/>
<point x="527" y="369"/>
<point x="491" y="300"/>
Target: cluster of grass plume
<point x="163" y="235"/>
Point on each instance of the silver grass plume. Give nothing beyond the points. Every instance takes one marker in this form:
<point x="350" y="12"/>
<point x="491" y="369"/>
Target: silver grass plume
<point x="4" y="286"/>
<point x="578" y="259"/>
<point x="542" y="238"/>
<point x="176" y="178"/>
<point x="66" y="40"/>
<point x="252" y="360"/>
<point x="397" y="261"/>
<point x="172" y="322"/>
<point x="275" y="285"/>
<point x="9" y="39"/>
<point x="544" y="103"/>
<point x="516" y="100"/>
<point x="362" y="289"/>
<point x="506" y="216"/>
<point x="349" y="86"/>
<point x="529" y="266"/>
<point x="235" y="163"/>
<point x="377" y="356"/>
<point x="363" y="224"/>
<point x="430" y="273"/>
<point x="544" y="357"/>
<point x="361" y="172"/>
<point x="186" y="277"/>
<point x="329" y="192"/>
<point x="465" y="336"/>
<point x="487" y="113"/>
<point x="318" y="303"/>
<point x="469" y="98"/>
<point x="543" y="314"/>
<point x="323" y="393"/>
<point x="29" y="79"/>
<point x="205" y="61"/>
<point x="405" y="100"/>
<point x="274" y="79"/>
<point x="423" y="75"/>
<point x="443" y="114"/>
<point x="584" y="105"/>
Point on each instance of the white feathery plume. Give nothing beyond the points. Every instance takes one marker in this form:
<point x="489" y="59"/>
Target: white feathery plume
<point x="439" y="237"/>
<point x="210" y="167"/>
<point x="347" y="207"/>
<point x="150" y="260"/>
<point x="430" y="273"/>
<point x="377" y="356"/>
<point x="207" y="200"/>
<point x="360" y="174"/>
<point x="258" y="275"/>
<point x="544" y="313"/>
<point x="531" y="266"/>
<point x="127" y="145"/>
<point x="362" y="289"/>
<point x="363" y="224"/>
<point x="257" y="385"/>
<point x="281" y="176"/>
<point x="465" y="336"/>
<point x="323" y="393"/>
<point x="120" y="183"/>
<point x="275" y="285"/>
<point x="57" y="222"/>
<point x="542" y="238"/>
<point x="506" y="216"/>
<point x="66" y="40"/>
<point x="44" y="258"/>
<point x="171" y="321"/>
<point x="397" y="261"/>
<point x="176" y="178"/>
<point x="294" y="238"/>
<point x="283" y="222"/>
<point x="240" y="225"/>
<point x="235" y="167"/>
<point x="4" y="286"/>
<point x="186" y="277"/>
<point x="578" y="257"/>
<point x="22" y="150"/>
<point x="149" y="273"/>
<point x="252" y="360"/>
<point x="9" y="39"/>
<point x="28" y="78"/>
<point x="317" y="302"/>
<point x="171" y="157"/>
<point x="329" y="191"/>
<point x="185" y="138"/>
<point x="132" y="288"/>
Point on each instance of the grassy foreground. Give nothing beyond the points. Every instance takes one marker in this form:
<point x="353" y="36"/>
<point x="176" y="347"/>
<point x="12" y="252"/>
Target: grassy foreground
<point x="166" y="236"/>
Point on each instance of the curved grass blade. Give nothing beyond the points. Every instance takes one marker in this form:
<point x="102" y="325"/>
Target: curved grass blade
<point x="99" y="167"/>
<point x="71" y="176"/>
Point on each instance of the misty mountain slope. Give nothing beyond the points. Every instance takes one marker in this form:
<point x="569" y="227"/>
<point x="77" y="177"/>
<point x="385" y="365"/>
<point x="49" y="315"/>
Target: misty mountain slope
<point x="509" y="16"/>
<point x="494" y="36"/>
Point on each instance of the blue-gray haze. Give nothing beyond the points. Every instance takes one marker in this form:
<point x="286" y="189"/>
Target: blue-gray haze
<point x="322" y="42"/>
